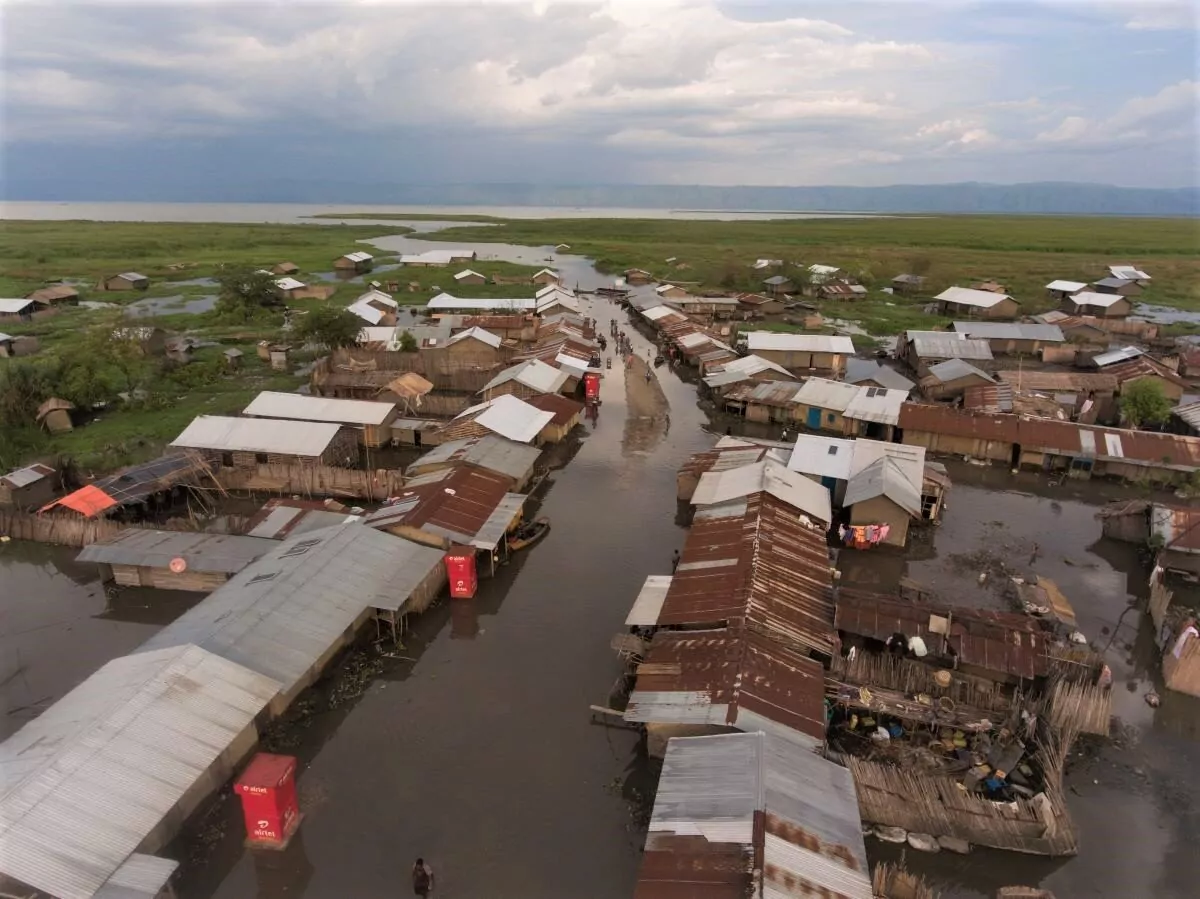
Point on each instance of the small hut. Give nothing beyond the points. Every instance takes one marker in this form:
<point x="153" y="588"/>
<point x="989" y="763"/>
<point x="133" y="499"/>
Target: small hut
<point x="55" y="415"/>
<point x="279" y="357"/>
<point x="170" y="560"/>
<point x="285" y="268"/>
<point x="233" y="358"/>
<point x="29" y="487"/>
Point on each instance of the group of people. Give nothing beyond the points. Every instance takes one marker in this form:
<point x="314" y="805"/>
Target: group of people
<point x="860" y="536"/>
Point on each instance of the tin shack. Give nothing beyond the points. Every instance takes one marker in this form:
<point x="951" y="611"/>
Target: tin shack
<point x="174" y="560"/>
<point x="370" y="422"/>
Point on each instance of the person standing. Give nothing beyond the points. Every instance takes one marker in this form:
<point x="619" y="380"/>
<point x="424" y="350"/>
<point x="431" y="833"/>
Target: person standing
<point x="422" y="878"/>
<point x="675" y="562"/>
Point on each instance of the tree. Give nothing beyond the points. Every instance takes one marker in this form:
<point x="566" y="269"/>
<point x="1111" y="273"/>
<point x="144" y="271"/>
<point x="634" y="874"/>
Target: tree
<point x="244" y="291"/>
<point x="330" y="326"/>
<point x="408" y="343"/>
<point x="118" y="348"/>
<point x="1143" y="402"/>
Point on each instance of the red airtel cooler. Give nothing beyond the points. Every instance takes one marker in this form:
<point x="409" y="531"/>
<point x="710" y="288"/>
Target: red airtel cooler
<point x="591" y="385"/>
<point x="460" y="568"/>
<point x="268" y="791"/>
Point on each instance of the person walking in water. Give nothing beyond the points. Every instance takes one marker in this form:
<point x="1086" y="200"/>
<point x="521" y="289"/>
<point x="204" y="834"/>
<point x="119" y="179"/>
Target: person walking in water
<point x="422" y="878"/>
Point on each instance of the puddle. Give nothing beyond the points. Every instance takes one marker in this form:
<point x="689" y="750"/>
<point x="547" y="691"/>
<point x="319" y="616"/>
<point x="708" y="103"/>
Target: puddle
<point x="337" y="276"/>
<point x="852" y="328"/>
<point x="172" y="305"/>
<point x="98" y="304"/>
<point x="1165" y="315"/>
<point x="194" y="282"/>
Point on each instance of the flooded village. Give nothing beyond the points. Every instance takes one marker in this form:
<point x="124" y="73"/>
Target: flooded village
<point x="617" y="586"/>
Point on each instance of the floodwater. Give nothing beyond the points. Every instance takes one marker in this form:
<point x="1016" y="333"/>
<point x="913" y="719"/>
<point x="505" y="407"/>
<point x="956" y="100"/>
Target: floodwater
<point x="1165" y="315"/>
<point x="57" y="626"/>
<point x="301" y="213"/>
<point x="171" y="305"/>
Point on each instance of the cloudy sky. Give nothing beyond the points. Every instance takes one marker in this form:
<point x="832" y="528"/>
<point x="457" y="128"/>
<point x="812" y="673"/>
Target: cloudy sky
<point x="648" y="91"/>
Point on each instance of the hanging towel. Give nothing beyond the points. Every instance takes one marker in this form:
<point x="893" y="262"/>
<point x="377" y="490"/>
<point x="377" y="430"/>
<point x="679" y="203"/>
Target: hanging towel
<point x="872" y="533"/>
<point x="842" y="532"/>
<point x="1183" y="638"/>
<point x="884" y="530"/>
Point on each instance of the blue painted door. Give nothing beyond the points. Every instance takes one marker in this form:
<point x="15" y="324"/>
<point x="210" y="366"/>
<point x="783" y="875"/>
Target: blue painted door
<point x="814" y="418"/>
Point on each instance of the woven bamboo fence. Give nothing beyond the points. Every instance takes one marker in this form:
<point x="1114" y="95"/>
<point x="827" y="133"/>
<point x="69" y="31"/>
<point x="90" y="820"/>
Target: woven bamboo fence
<point x="938" y="806"/>
<point x="315" y="480"/>
<point x="72" y="531"/>
<point x="909" y="677"/>
<point x="890" y="881"/>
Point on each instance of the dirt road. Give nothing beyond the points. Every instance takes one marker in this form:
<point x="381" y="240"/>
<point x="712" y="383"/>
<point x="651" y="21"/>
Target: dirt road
<point x="648" y="412"/>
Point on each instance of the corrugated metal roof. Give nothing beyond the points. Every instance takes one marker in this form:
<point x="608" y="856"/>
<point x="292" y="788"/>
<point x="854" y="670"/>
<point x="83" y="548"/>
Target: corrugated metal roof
<point x="1128" y="273"/>
<point x="358" y="256"/>
<point x="464" y="504"/>
<point x="1143" y="367"/>
<point x="1010" y="331"/>
<point x="800" y="343"/>
<point x="730" y="804"/>
<point x="272" y="404"/>
<point x="366" y="312"/>
<point x="446" y="301"/>
<point x="1101" y="300"/>
<point x="1120" y="354"/>
<point x="766" y="393"/>
<point x="884" y="477"/>
<point x="947" y="345"/>
<point x="694" y="339"/>
<point x="563" y="409"/>
<point x="257" y="435"/>
<point x="877" y="404"/>
<point x="477" y="333"/>
<point x="764" y="567"/>
<point x="859" y="370"/>
<point x="767" y="476"/>
<point x="14" y="306"/>
<point x="777" y="280"/>
<point x="1067" y="286"/>
<point x="468" y="273"/>
<point x="507" y="457"/>
<point x="1189" y="413"/>
<point x="91" y="777"/>
<point x="534" y="374"/>
<point x="1178" y="528"/>
<point x="288" y="284"/>
<point x="825" y="394"/>
<point x="1115" y="283"/>
<point x="133" y="276"/>
<point x="967" y="296"/>
<point x="30" y="474"/>
<point x="282" y="614"/>
<point x="140" y="877"/>
<point x="228" y="553"/>
<point x="823" y="457"/>
<point x="649" y="601"/>
<point x="1059" y="380"/>
<point x="510" y="417"/>
<point x="954" y="369"/>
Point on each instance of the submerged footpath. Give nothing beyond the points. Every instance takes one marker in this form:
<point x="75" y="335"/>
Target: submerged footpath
<point x="472" y="744"/>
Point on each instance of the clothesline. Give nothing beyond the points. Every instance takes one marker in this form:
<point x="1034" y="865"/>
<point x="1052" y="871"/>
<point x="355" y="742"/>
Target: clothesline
<point x="862" y="536"/>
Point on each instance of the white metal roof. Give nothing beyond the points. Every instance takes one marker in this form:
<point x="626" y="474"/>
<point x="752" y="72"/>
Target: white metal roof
<point x="272" y="404"/>
<point x="557" y="297"/>
<point x="877" y="404"/>
<point x="367" y="312"/>
<point x="694" y="339"/>
<point x="133" y="276"/>
<point x="742" y="369"/>
<point x="1128" y="273"/>
<point x="801" y="343"/>
<point x="663" y="289"/>
<point x="1101" y="300"/>
<point x="516" y="304"/>
<point x="859" y="370"/>
<point x="822" y="457"/>
<point x="516" y="460"/>
<point x="13" y="306"/>
<point x="654" y="313"/>
<point x="968" y="296"/>
<point x="546" y="271"/>
<point x="5" y="337"/>
<point x="378" y="296"/>
<point x="510" y="417"/>
<point x="288" y="284"/>
<point x="1010" y="331"/>
<point x="139" y="877"/>
<point x="91" y="777"/>
<point x="1067" y="286"/>
<point x="1120" y="354"/>
<point x="547" y="289"/>
<point x="953" y="369"/>
<point x="384" y="334"/>
<point x="478" y="333"/>
<point x="947" y="345"/>
<point x="824" y="269"/>
<point x="358" y="256"/>
<point x="766" y="476"/>
<point x="534" y="374"/>
<point x="224" y="553"/>
<point x="894" y="470"/>
<point x="23" y="477"/>
<point x="649" y="602"/>
<point x="467" y="273"/>
<point x="257" y="435"/>
<point x="826" y="394"/>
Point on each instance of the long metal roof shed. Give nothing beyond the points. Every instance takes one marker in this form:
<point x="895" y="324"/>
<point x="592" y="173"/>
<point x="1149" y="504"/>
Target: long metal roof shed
<point x="228" y="553"/>
<point x="257" y="435"/>
<point x="273" y="404"/>
<point x="286" y="614"/>
<point x="103" y="771"/>
<point x="516" y="460"/>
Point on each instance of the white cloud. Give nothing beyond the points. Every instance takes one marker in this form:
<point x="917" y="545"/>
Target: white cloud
<point x="1164" y="17"/>
<point x="1168" y="114"/>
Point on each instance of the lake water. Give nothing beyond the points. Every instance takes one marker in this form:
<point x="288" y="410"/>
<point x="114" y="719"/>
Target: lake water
<point x="300" y="213"/>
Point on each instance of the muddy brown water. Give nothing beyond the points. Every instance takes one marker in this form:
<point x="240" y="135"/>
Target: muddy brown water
<point x="474" y="746"/>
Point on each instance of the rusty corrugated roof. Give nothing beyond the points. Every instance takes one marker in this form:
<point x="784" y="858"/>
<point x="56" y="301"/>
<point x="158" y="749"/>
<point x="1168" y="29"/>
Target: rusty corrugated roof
<point x="765" y="393"/>
<point x="458" y="500"/>
<point x="945" y="420"/>
<point x="564" y="409"/>
<point x="1143" y="367"/>
<point x="759" y="567"/>
<point x="1059" y="381"/>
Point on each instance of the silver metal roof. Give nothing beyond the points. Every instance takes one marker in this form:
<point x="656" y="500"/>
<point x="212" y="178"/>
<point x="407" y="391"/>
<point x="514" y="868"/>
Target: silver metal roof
<point x="13" y="306"/>
<point x="30" y="474"/>
<point x="1120" y="354"/>
<point x="800" y="343"/>
<point x="133" y="276"/>
<point x="140" y="877"/>
<point x="280" y="615"/>
<point x="358" y="256"/>
<point x="968" y="296"/>
<point x="822" y="457"/>
<point x="710" y="787"/>
<point x="1189" y="413"/>
<point x="273" y="404"/>
<point x="859" y="370"/>
<point x="510" y="417"/>
<point x="477" y="333"/>
<point x="877" y="404"/>
<point x="90" y="778"/>
<point x="736" y="370"/>
<point x="1066" y="286"/>
<point x="894" y="470"/>
<point x="1101" y="300"/>
<point x="492" y="304"/>
<point x="767" y="476"/>
<point x="288" y="283"/>
<point x="1128" y="273"/>
<point x="257" y="435"/>
<point x="227" y="553"/>
<point x="366" y="312"/>
<point x="493" y="453"/>
<point x="826" y="394"/>
<point x="953" y="369"/>
<point x="649" y="601"/>
<point x="534" y="374"/>
<point x="1010" y="331"/>
<point x="948" y="345"/>
<point x="492" y="532"/>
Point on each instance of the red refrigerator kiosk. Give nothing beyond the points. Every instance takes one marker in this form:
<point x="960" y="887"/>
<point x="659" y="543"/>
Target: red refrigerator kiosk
<point x="460" y="568"/>
<point x="268" y="791"/>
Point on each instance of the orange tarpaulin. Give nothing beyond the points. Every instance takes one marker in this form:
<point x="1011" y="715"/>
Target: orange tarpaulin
<point x="88" y="501"/>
